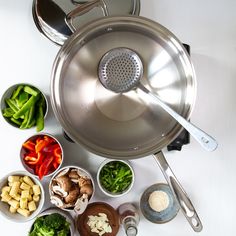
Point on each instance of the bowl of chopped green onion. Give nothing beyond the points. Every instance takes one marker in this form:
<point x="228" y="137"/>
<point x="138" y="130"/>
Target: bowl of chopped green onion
<point x="115" y="177"/>
<point x="24" y="106"/>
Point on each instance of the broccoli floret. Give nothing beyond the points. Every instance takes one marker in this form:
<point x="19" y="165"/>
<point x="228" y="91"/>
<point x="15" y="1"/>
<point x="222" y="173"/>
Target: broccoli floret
<point x="50" y="225"/>
<point x="45" y="231"/>
<point x="36" y="226"/>
<point x="63" y="232"/>
<point x="55" y="221"/>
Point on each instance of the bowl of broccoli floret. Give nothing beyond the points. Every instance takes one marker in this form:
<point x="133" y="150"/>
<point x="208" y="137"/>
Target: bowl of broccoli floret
<point x="52" y="222"/>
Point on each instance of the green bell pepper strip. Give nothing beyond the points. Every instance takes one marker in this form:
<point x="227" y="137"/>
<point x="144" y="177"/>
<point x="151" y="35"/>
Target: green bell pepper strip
<point x="42" y="102"/>
<point x="17" y="91"/>
<point x="8" y="112"/>
<point x="40" y="119"/>
<point x="24" y="123"/>
<point x="16" y="121"/>
<point x="31" y="116"/>
<point x="31" y="124"/>
<point x="26" y="106"/>
<point x="11" y="104"/>
<point x="30" y="91"/>
<point x="23" y="98"/>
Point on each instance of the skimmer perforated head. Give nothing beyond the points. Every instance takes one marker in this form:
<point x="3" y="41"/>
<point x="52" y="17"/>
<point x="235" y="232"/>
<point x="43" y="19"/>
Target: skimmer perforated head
<point x="120" y="70"/>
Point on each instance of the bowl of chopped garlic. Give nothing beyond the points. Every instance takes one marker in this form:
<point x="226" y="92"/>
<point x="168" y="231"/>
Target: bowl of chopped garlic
<point x="22" y="196"/>
<point x="158" y="204"/>
<point x="99" y="219"/>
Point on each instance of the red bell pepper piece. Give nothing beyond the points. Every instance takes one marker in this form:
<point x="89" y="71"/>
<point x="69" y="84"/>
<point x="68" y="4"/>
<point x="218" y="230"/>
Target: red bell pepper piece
<point x="30" y="156"/>
<point x="50" y="148"/>
<point x="49" y="139"/>
<point x="57" y="160"/>
<point x="34" y="160"/>
<point x="29" y="145"/>
<point x="57" y="151"/>
<point x="45" y="167"/>
<point x="40" y="145"/>
<point x="36" y="169"/>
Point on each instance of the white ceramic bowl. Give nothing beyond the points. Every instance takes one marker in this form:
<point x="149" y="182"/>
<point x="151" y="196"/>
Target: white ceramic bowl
<point x="106" y="192"/>
<point x="8" y="93"/>
<point x="23" y="151"/>
<point x="85" y="172"/>
<point x="4" y="207"/>
<point x="68" y="217"/>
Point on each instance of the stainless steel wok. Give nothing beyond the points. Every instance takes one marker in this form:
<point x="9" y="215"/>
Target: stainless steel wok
<point x="127" y="125"/>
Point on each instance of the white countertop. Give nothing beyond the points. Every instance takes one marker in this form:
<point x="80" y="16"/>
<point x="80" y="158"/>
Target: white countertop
<point x="210" y="28"/>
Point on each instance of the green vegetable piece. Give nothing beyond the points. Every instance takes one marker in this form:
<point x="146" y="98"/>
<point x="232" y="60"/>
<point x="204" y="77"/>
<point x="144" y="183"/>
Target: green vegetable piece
<point x="30" y="90"/>
<point x="31" y="124"/>
<point x="40" y="119"/>
<point x="115" y="176"/>
<point x="24" y="123"/>
<point x="17" y="122"/>
<point x="16" y="91"/>
<point x="31" y="116"/>
<point x="42" y="103"/>
<point x="11" y="104"/>
<point x="55" y="221"/>
<point x="50" y="225"/>
<point x="8" y="112"/>
<point x="36" y="226"/>
<point x="26" y="106"/>
<point x="44" y="231"/>
<point x="23" y="98"/>
<point x="63" y="232"/>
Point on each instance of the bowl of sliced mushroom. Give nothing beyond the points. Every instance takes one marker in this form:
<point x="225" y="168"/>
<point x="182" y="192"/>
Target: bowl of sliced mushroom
<point x="71" y="189"/>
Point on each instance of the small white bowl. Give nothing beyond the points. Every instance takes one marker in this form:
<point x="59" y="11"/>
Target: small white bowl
<point x="52" y="210"/>
<point x="107" y="192"/>
<point x="23" y="151"/>
<point x="4" y="207"/>
<point x="85" y="172"/>
<point x="8" y="93"/>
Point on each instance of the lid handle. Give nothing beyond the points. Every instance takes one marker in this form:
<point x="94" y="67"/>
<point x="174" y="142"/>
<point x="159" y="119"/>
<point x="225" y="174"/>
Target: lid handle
<point x="84" y="8"/>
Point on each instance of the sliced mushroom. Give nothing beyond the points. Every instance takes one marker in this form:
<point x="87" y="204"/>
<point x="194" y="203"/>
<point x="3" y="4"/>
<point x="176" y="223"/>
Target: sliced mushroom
<point x="73" y="194"/>
<point x="73" y="174"/>
<point x="56" y="200"/>
<point x="59" y="191"/>
<point x="81" y="205"/>
<point x="83" y="174"/>
<point x="76" y="181"/>
<point x="87" y="189"/>
<point x="64" y="182"/>
<point x="69" y="205"/>
<point x="63" y="172"/>
<point x="84" y="181"/>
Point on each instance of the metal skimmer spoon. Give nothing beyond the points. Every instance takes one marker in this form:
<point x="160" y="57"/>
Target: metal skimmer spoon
<point x="121" y="69"/>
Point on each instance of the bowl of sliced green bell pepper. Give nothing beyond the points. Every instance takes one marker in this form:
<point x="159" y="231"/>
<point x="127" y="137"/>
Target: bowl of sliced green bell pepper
<point x="24" y="106"/>
<point x="115" y="177"/>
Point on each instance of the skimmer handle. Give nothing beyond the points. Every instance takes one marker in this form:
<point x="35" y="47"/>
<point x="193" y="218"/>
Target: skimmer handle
<point x="206" y="141"/>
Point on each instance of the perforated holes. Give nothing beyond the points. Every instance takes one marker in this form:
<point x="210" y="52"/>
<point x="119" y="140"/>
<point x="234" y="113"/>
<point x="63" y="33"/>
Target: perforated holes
<point x="120" y="69"/>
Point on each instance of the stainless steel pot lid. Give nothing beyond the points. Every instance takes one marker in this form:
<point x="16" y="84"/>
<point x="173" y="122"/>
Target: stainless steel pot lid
<point x="50" y="15"/>
<point x="126" y="125"/>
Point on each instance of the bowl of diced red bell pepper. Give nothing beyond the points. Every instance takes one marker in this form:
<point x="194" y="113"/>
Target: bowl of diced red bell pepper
<point x="41" y="155"/>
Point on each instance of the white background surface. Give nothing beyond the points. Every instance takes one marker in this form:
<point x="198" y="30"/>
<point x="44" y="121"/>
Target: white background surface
<point x="209" y="26"/>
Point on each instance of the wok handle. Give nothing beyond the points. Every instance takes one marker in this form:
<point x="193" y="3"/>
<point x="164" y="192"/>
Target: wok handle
<point x="84" y="8"/>
<point x="180" y="194"/>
